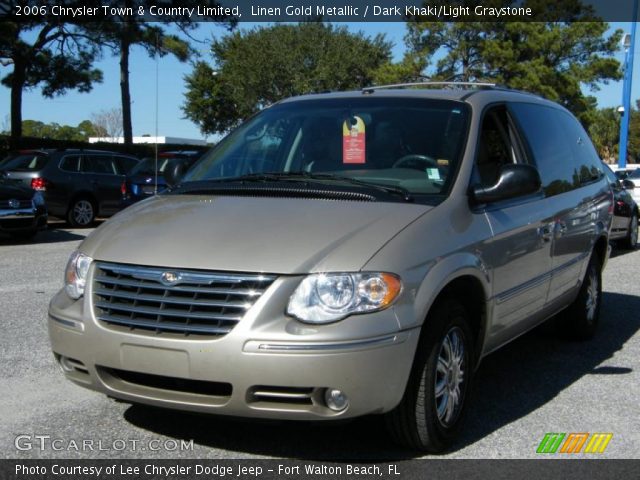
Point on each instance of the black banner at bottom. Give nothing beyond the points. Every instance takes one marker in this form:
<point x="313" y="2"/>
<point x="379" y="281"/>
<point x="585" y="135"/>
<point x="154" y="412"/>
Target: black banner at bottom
<point x="579" y="469"/>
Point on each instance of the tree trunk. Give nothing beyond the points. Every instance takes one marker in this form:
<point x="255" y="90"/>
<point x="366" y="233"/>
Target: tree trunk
<point x="127" y="129"/>
<point x="17" y="85"/>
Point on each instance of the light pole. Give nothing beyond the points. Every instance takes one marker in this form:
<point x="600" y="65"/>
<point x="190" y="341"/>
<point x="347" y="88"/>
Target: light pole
<point x="629" y="44"/>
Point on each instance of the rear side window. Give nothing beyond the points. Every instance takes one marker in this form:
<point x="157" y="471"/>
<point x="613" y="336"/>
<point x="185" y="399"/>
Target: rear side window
<point x="549" y="143"/>
<point x="26" y="163"/>
<point x="70" y="163"/>
<point x="103" y="164"/>
<point x="125" y="164"/>
<point x="562" y="150"/>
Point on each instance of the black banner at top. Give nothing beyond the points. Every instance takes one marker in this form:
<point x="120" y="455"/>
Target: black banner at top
<point x="313" y="10"/>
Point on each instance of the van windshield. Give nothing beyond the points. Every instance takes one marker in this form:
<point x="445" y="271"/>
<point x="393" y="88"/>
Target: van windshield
<point x="409" y="143"/>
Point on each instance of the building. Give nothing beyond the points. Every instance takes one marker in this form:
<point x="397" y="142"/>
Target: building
<point x="150" y="139"/>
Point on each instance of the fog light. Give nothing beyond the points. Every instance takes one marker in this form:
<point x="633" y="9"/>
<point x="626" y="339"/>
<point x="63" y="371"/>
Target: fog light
<point x="64" y="363"/>
<point x="335" y="399"/>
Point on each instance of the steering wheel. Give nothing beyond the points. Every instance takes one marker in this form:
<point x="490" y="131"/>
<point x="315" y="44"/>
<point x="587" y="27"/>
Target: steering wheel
<point x="415" y="161"/>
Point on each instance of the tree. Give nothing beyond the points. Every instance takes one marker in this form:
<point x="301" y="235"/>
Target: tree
<point x="256" y="68"/>
<point x="55" y="55"/>
<point x="121" y="33"/>
<point x="553" y="59"/>
<point x="54" y="131"/>
<point x="634" y="134"/>
<point x="107" y="123"/>
<point x="605" y="133"/>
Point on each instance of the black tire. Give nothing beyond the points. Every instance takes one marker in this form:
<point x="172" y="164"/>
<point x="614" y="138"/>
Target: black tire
<point x="580" y="320"/>
<point x="415" y="423"/>
<point x="82" y="212"/>
<point x="631" y="239"/>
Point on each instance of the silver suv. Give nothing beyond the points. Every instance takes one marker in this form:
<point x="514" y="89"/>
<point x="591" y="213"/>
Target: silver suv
<point x="344" y="254"/>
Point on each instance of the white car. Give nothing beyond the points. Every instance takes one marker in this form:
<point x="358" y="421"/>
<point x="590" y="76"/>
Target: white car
<point x="634" y="176"/>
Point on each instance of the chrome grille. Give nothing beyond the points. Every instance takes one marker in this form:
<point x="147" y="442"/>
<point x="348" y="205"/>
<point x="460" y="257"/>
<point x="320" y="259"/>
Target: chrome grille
<point x="188" y="302"/>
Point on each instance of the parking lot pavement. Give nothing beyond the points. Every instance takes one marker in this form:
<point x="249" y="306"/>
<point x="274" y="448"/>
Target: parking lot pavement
<point x="535" y="385"/>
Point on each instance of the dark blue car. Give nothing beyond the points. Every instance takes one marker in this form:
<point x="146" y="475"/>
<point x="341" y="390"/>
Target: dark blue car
<point x="145" y="180"/>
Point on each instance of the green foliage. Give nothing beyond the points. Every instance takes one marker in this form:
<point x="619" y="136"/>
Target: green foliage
<point x="53" y="55"/>
<point x="605" y="133"/>
<point x="552" y="59"/>
<point x="36" y="129"/>
<point x="121" y="33"/>
<point x="259" y="67"/>
<point x="634" y="134"/>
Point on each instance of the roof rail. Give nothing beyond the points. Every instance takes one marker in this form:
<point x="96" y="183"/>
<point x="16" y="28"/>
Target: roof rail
<point x="430" y="84"/>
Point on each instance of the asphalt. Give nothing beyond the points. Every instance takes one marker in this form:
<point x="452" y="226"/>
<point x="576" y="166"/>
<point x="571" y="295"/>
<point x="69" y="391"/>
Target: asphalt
<point x="537" y="384"/>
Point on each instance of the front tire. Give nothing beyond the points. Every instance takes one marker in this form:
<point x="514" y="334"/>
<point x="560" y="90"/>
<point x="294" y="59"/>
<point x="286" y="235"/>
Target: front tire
<point x="581" y="319"/>
<point x="431" y="412"/>
<point x="82" y="213"/>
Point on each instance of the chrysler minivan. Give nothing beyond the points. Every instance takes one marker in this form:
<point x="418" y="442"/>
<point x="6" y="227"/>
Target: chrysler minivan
<point x="344" y="254"/>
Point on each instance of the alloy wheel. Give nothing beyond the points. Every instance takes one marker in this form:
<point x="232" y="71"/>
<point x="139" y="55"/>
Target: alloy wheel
<point x="450" y="376"/>
<point x="83" y="212"/>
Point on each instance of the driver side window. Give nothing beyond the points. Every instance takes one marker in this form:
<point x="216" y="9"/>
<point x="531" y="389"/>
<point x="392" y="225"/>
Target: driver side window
<point x="497" y="146"/>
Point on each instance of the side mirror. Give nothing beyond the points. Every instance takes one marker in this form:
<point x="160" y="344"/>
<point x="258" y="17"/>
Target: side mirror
<point x="628" y="184"/>
<point x="515" y="180"/>
<point x="174" y="171"/>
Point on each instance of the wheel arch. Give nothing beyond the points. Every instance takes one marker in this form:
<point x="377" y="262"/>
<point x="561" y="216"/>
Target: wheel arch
<point x="83" y="194"/>
<point x="469" y="284"/>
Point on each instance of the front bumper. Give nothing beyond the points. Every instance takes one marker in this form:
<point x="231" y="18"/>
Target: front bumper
<point x="249" y="372"/>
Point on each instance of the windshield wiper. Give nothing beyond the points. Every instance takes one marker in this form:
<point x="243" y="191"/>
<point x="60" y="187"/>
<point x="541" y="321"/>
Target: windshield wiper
<point x="301" y="175"/>
<point x="406" y="194"/>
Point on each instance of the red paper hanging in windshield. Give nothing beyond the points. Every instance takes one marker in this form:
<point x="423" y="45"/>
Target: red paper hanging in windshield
<point x="353" y="138"/>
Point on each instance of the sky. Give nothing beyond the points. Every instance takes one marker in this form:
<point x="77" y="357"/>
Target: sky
<point x="72" y="108"/>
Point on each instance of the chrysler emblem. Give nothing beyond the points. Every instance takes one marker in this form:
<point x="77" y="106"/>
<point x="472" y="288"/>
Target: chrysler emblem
<point x="13" y="203"/>
<point x="169" y="278"/>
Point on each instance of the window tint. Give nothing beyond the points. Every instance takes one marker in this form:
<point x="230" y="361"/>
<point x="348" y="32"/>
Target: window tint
<point x="99" y="164"/>
<point x="125" y="164"/>
<point x="586" y="160"/>
<point x="25" y="163"/>
<point x="544" y="130"/>
<point x="494" y="148"/>
<point x="562" y="150"/>
<point x="70" y="163"/>
<point x="407" y="142"/>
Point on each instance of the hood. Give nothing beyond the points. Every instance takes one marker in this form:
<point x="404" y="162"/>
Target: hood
<point x="250" y="234"/>
<point x="9" y="191"/>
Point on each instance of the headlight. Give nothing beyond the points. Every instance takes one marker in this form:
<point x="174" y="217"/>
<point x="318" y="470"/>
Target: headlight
<point x="38" y="199"/>
<point x="75" y="276"/>
<point x="328" y="297"/>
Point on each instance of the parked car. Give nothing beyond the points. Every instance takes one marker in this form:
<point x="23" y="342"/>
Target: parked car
<point x="78" y="185"/>
<point x="144" y="180"/>
<point x="633" y="185"/>
<point x="625" y="211"/>
<point x="22" y="210"/>
<point x="345" y="254"/>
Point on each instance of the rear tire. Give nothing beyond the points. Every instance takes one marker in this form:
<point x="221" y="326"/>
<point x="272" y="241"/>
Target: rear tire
<point x="631" y="239"/>
<point x="581" y="319"/>
<point x="82" y="213"/>
<point x="432" y="409"/>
